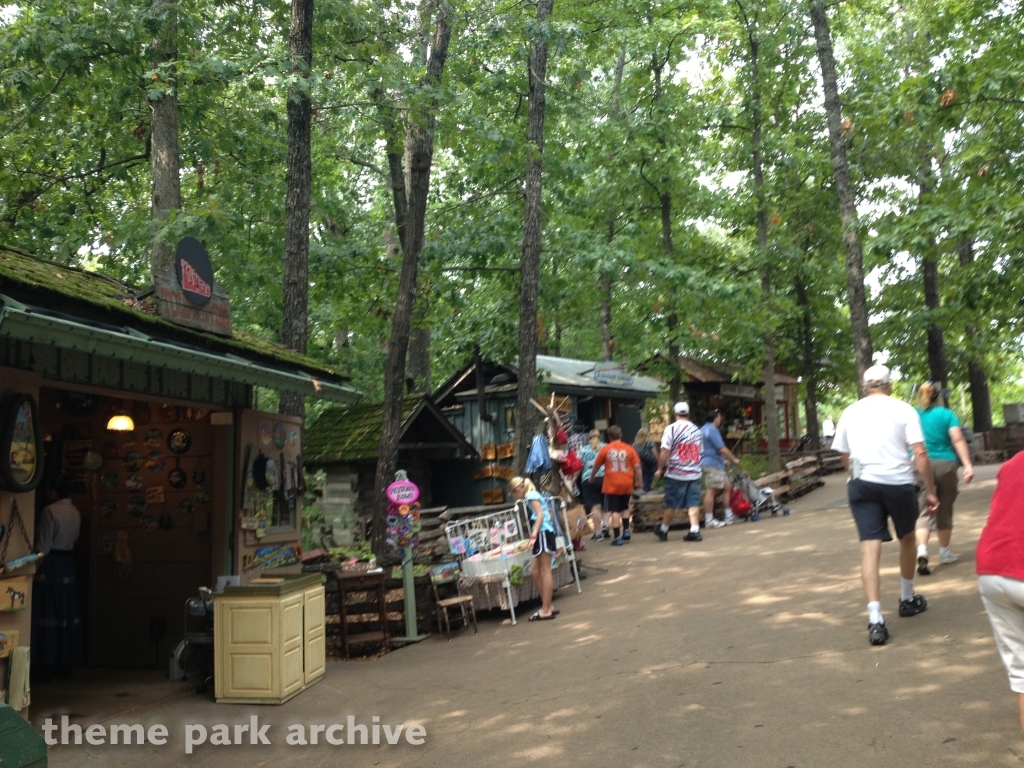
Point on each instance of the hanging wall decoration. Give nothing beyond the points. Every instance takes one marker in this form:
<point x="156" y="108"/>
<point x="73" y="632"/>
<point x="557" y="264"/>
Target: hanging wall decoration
<point x="93" y="460"/>
<point x="167" y="414"/>
<point x="179" y="441"/>
<point x="133" y="461"/>
<point x="21" y="440"/>
<point x="12" y="594"/>
<point x="265" y="472"/>
<point x="177" y="477"/>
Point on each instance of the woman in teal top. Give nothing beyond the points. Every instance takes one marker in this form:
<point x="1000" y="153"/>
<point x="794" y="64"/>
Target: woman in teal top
<point x="947" y="450"/>
<point x="542" y="537"/>
<point x="590" y="484"/>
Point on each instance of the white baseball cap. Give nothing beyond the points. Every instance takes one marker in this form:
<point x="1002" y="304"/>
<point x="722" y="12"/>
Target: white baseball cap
<point x="877" y="374"/>
<point x="682" y="408"/>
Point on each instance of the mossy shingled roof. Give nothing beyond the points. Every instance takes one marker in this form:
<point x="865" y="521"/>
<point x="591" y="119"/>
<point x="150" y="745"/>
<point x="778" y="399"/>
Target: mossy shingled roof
<point x="68" y="289"/>
<point x="350" y="434"/>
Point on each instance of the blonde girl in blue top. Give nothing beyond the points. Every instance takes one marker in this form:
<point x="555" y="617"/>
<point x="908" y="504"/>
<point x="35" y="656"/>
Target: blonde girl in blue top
<point x="542" y="537"/>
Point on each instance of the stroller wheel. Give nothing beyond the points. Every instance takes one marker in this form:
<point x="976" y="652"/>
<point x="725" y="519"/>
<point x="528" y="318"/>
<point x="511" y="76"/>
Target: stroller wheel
<point x="785" y="512"/>
<point x="755" y="517"/>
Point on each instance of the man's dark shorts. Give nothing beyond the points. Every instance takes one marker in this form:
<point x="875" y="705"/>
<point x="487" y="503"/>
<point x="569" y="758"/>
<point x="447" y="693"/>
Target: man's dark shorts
<point x="682" y="494"/>
<point x="873" y="503"/>
<point x="591" y="492"/>
<point x="614" y="502"/>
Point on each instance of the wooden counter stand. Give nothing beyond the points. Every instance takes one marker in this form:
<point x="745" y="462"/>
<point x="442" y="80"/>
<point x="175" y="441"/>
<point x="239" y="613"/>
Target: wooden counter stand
<point x="363" y="582"/>
<point x="269" y="642"/>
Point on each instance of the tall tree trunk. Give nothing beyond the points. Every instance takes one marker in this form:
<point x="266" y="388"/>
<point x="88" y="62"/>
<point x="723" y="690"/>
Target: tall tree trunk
<point x="526" y="415"/>
<point x="607" y="342"/>
<point x="299" y="184"/>
<point x="411" y="233"/>
<point x="981" y="401"/>
<point x="771" y="408"/>
<point x="419" y="361"/>
<point x="557" y="350"/>
<point x="675" y="382"/>
<point x="606" y="278"/>
<point x="810" y="363"/>
<point x="856" y="295"/>
<point x="937" y="366"/>
<point x="165" y="161"/>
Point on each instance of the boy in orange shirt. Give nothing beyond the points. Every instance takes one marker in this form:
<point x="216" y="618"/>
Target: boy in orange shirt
<point x="622" y="476"/>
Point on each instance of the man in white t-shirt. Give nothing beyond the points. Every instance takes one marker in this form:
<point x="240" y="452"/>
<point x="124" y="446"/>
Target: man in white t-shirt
<point x="875" y="436"/>
<point x="681" y="444"/>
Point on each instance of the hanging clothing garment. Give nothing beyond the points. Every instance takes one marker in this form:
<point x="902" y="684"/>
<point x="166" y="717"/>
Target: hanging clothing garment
<point x="538" y="458"/>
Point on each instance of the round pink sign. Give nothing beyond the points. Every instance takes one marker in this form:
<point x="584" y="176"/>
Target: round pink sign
<point x="402" y="492"/>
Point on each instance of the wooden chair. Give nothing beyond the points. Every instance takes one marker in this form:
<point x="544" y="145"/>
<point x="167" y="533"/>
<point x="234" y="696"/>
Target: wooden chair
<point x="446" y="573"/>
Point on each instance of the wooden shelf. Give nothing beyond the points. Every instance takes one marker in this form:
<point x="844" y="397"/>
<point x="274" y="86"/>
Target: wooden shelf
<point x="362" y="582"/>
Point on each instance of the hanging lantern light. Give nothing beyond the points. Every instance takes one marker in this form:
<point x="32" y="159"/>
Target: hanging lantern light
<point x="121" y="422"/>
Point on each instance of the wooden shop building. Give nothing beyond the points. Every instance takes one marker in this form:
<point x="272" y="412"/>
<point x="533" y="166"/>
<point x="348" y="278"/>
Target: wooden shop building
<point x="710" y="385"/>
<point x="147" y="399"/>
<point x="344" y="442"/>
<point x="480" y="400"/>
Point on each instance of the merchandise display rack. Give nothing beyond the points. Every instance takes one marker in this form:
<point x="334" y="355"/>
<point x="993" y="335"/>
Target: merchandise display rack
<point x="515" y="523"/>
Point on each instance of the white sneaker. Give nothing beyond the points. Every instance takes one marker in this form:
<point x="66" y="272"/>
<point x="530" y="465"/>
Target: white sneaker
<point x="730" y="519"/>
<point x="947" y="558"/>
<point x="713" y="523"/>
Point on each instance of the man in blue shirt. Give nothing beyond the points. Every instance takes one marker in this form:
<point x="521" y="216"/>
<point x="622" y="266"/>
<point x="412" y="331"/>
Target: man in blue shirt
<point x="713" y="456"/>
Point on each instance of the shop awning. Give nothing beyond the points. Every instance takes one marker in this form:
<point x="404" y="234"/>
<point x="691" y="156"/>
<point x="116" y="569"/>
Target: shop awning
<point x="30" y="324"/>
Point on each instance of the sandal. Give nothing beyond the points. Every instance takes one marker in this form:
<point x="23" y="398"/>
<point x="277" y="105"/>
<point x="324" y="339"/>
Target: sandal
<point x="538" y="617"/>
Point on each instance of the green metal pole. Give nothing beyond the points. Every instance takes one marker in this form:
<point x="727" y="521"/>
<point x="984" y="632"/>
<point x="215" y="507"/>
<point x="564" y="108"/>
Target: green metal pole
<point x="412" y="634"/>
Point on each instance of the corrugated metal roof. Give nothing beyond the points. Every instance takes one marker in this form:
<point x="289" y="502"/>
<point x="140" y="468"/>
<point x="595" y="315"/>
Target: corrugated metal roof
<point x="587" y="374"/>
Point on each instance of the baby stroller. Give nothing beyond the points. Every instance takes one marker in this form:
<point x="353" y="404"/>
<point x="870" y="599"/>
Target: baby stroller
<point x="760" y="499"/>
